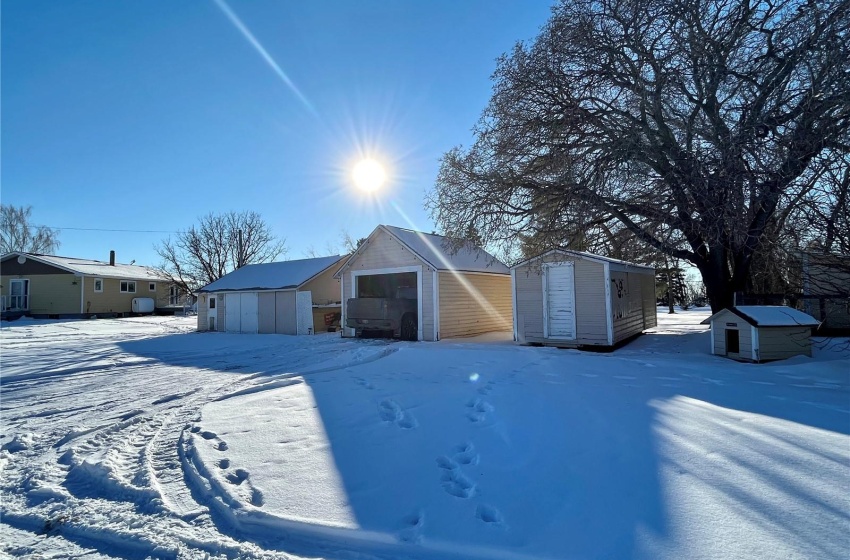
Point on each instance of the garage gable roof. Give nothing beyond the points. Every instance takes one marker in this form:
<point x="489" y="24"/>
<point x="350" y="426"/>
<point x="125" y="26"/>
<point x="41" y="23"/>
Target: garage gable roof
<point x="769" y="316"/>
<point x="89" y="267"/>
<point x="283" y="275"/>
<point x="584" y="255"/>
<point x="438" y="252"/>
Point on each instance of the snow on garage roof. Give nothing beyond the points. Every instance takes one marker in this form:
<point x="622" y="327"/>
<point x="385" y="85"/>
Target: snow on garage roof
<point x="437" y="251"/>
<point x="271" y="276"/>
<point x="770" y="316"/>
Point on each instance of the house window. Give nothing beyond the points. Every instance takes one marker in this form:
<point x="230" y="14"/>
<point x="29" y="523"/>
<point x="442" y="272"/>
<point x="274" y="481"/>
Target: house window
<point x="128" y="287"/>
<point x="152" y="287"/>
<point x="98" y="284"/>
<point x="212" y="302"/>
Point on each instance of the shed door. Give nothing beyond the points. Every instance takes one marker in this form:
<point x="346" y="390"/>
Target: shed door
<point x="560" y="301"/>
<point x="232" y="313"/>
<point x="250" y="319"/>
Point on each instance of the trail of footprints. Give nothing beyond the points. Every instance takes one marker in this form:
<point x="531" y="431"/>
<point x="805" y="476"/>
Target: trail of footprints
<point x="453" y="479"/>
<point x="238" y="478"/>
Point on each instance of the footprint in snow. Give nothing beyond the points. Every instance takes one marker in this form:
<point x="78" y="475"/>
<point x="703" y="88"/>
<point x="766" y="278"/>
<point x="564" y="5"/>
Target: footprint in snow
<point x="222" y="446"/>
<point x="224" y="464"/>
<point x="466" y="455"/>
<point x="257" y="498"/>
<point x="412" y="526"/>
<point x="391" y="411"/>
<point x="489" y="514"/>
<point x="208" y="435"/>
<point x="237" y="477"/>
<point x="457" y="484"/>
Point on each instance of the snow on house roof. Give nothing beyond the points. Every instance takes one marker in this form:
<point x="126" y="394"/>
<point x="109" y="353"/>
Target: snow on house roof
<point x="769" y="316"/>
<point x="584" y="255"/>
<point x="90" y="267"/>
<point x="437" y="251"/>
<point x="271" y="276"/>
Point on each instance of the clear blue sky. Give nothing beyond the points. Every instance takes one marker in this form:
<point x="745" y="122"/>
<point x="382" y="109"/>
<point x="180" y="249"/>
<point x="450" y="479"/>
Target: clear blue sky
<point x="146" y="114"/>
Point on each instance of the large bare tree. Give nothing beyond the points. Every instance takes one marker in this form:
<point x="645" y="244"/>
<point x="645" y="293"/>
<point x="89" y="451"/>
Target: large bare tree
<point x="18" y="234"/>
<point x="700" y="126"/>
<point x="213" y="248"/>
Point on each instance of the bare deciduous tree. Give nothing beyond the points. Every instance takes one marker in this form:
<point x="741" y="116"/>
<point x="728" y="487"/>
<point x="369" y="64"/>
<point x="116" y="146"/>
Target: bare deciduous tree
<point x="711" y="121"/>
<point x="18" y="234"/>
<point x="213" y="248"/>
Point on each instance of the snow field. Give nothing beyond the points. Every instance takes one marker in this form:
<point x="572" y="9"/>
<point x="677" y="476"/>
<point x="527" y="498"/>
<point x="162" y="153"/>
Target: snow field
<point x="140" y="438"/>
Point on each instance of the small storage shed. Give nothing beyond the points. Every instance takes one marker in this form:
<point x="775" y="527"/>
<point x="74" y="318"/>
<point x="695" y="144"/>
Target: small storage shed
<point x="289" y="297"/>
<point x="570" y="298"/>
<point x="759" y="333"/>
<point x="461" y="292"/>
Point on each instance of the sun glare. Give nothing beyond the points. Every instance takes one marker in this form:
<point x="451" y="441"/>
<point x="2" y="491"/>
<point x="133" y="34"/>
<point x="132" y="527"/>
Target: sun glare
<point x="369" y="175"/>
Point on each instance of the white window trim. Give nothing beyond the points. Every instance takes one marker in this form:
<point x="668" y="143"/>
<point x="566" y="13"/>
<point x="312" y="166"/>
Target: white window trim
<point x="128" y="290"/>
<point x="151" y="286"/>
<point x="94" y="285"/>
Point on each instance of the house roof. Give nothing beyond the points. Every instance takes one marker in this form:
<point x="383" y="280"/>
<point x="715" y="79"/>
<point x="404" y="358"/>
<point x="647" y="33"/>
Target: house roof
<point x="282" y="275"/>
<point x="769" y="316"/>
<point x="89" y="267"/>
<point x="583" y="255"/>
<point x="439" y="252"/>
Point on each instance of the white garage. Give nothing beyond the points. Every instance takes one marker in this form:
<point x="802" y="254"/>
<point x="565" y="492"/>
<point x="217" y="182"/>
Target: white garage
<point x="289" y="297"/>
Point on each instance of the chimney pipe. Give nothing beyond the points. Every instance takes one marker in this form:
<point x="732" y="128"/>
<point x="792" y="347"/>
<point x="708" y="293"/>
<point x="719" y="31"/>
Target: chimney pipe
<point x="111" y="258"/>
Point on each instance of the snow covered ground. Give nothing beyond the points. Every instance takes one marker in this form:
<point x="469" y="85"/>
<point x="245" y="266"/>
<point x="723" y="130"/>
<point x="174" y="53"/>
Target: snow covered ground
<point x="136" y="438"/>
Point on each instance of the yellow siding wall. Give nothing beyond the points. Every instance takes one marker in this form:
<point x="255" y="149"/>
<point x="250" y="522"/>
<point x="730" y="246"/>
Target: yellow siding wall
<point x="779" y="343"/>
<point x="49" y="294"/>
<point x="383" y="251"/>
<point x="472" y="304"/>
<point x="112" y="300"/>
<point x="324" y="287"/>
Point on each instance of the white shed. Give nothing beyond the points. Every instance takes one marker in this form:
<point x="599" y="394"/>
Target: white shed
<point x="461" y="292"/>
<point x="570" y="298"/>
<point x="758" y="333"/>
<point x="289" y="297"/>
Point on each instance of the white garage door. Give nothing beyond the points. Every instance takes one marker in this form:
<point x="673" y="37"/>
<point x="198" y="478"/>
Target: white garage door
<point x="240" y="313"/>
<point x="560" y="299"/>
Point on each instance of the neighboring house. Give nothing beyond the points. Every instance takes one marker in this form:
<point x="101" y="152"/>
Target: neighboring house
<point x="569" y="299"/>
<point x="49" y="286"/>
<point x="758" y="333"/>
<point x="826" y="289"/>
<point x="289" y="297"/>
<point x="460" y="291"/>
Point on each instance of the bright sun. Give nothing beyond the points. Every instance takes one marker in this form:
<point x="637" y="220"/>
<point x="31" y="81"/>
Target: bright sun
<point x="369" y="175"/>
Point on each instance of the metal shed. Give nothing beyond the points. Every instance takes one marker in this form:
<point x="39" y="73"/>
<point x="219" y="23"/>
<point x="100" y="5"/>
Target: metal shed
<point x="570" y="298"/>
<point x="758" y="333"/>
<point x="460" y="291"/>
<point x="289" y="297"/>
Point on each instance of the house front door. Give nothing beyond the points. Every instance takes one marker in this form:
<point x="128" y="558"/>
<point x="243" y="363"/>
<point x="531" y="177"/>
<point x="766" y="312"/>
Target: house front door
<point x="19" y="295"/>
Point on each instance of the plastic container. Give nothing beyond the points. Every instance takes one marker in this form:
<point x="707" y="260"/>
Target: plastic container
<point x="143" y="305"/>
